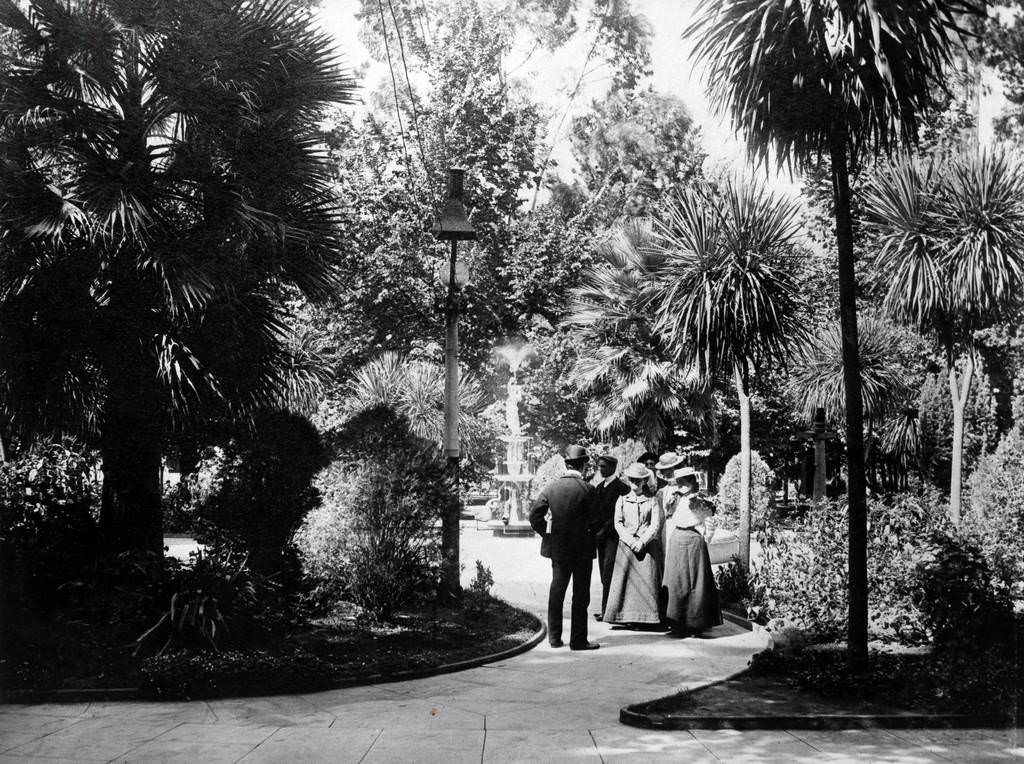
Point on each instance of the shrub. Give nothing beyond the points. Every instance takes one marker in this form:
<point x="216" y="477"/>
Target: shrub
<point x="477" y="597"/>
<point x="733" y="584"/>
<point x="373" y="541"/>
<point x="762" y="478"/>
<point x="262" y="487"/>
<point x="996" y="511"/>
<point x="47" y="524"/>
<point x="972" y="622"/>
<point x="213" y="601"/>
<point x="954" y="592"/>
<point x="803" y="578"/>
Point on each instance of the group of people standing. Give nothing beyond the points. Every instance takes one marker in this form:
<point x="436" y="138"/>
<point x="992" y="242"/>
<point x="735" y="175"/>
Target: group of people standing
<point x="646" y="528"/>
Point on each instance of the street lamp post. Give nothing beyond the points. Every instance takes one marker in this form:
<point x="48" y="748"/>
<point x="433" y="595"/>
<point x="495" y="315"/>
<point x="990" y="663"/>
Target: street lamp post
<point x="453" y="226"/>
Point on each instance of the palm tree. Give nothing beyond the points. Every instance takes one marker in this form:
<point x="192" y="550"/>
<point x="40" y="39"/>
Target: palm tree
<point x="951" y="241"/>
<point x="638" y="389"/>
<point x="725" y="299"/>
<point x="817" y="380"/>
<point x="161" y="182"/>
<point x="802" y="78"/>
<point x="413" y="389"/>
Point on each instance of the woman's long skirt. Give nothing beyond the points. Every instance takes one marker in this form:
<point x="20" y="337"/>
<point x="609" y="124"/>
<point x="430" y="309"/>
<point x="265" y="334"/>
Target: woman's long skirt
<point x="691" y="595"/>
<point x="634" y="588"/>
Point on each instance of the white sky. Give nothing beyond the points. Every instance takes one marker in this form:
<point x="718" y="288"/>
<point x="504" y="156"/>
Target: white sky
<point x="555" y="75"/>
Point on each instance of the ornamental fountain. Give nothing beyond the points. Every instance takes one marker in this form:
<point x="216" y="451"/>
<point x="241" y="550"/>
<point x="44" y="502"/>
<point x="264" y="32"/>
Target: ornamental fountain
<point x="514" y="471"/>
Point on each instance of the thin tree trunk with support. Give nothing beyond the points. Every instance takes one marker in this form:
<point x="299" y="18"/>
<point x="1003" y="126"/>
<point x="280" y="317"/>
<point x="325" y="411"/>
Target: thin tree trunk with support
<point x="959" y="393"/>
<point x="744" y="499"/>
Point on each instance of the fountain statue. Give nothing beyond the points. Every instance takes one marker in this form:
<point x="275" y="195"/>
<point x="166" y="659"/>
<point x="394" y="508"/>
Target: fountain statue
<point x="514" y="474"/>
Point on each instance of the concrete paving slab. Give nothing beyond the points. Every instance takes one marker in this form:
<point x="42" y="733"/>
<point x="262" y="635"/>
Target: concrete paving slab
<point x="865" y="744"/>
<point x="18" y="728"/>
<point x="966" y="744"/>
<point x="194" y="711"/>
<point x="101" y="739"/>
<point x="764" y="745"/>
<point x="164" y="751"/>
<point x="298" y="745"/>
<point x="398" y="746"/>
<point x="629" y="744"/>
<point x="275" y="711"/>
<point x="216" y="733"/>
<point x="508" y="746"/>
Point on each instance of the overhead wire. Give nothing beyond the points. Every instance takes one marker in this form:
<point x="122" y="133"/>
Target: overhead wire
<point x="427" y="169"/>
<point x="394" y="84"/>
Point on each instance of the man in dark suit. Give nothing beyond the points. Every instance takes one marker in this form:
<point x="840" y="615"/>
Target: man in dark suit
<point x="606" y="493"/>
<point x="563" y="514"/>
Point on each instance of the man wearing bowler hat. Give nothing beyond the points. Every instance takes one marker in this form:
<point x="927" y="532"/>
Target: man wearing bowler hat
<point x="564" y="515"/>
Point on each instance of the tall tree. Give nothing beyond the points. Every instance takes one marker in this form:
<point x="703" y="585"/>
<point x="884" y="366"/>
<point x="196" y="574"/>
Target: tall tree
<point x="160" y="179"/>
<point x="800" y="78"/>
<point x="951" y="239"/>
<point x="727" y="298"/>
<point x="632" y="148"/>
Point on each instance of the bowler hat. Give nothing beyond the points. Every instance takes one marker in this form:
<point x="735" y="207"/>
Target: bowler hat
<point x="668" y="461"/>
<point x="575" y="452"/>
<point x="608" y="458"/>
<point x="638" y="471"/>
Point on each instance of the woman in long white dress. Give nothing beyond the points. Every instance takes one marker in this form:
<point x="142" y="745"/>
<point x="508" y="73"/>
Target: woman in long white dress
<point x="636" y="578"/>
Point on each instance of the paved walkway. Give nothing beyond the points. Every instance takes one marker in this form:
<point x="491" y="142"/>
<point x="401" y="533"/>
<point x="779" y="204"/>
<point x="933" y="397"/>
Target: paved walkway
<point x="546" y="705"/>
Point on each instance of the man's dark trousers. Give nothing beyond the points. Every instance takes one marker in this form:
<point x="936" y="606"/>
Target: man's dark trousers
<point x="607" y="547"/>
<point x="561" y="571"/>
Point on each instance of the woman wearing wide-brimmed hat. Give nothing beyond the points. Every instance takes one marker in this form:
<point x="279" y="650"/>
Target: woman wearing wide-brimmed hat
<point x="636" y="578"/>
<point x="691" y="597"/>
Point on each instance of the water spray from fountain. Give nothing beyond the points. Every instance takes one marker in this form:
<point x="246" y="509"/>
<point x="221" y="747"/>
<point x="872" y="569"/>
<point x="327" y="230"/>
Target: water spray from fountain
<point x="515" y="479"/>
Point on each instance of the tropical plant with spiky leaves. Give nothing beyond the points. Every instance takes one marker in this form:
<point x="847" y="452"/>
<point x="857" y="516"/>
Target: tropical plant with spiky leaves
<point x="816" y="380"/>
<point x="950" y="235"/>
<point x="802" y="78"/>
<point x="727" y="299"/>
<point x="161" y="182"/>
<point x="637" y="389"/>
<point x="413" y="389"/>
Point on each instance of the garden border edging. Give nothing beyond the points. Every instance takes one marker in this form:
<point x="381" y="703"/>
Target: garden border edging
<point x="633" y="716"/>
<point x="86" y="695"/>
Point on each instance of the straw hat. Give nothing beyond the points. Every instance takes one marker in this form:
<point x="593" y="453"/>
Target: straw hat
<point x="637" y="471"/>
<point x="668" y="460"/>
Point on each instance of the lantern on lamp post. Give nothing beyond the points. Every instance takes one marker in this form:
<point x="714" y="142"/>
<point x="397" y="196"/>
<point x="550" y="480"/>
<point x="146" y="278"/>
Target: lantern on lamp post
<point x="453" y="226"/>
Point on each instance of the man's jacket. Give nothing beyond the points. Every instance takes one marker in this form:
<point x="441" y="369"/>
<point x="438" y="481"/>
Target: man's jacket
<point x="570" y="500"/>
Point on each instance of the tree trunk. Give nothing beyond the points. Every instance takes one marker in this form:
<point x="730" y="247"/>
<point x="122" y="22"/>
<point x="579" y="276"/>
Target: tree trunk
<point x="857" y="624"/>
<point x="744" y="499"/>
<point x="959" y="394"/>
<point x="130" y="445"/>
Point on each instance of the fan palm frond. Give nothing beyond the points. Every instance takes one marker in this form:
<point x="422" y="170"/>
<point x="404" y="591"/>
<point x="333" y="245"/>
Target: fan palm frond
<point x="638" y="389"/>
